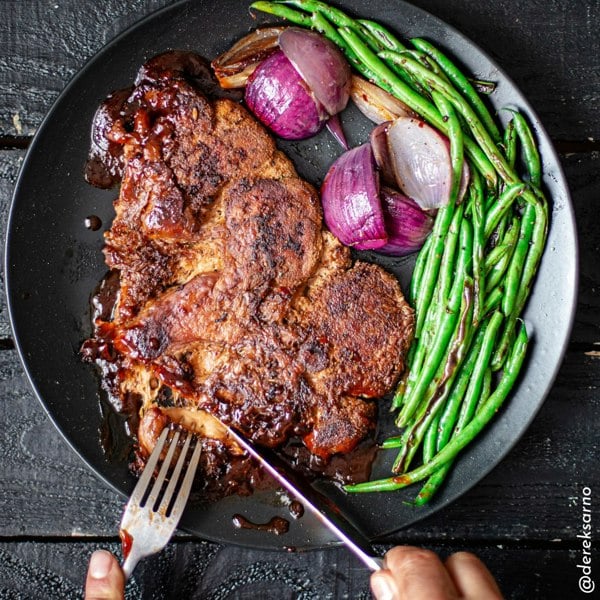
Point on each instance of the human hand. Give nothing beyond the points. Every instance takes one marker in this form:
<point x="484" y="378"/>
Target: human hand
<point x="418" y="574"/>
<point x="105" y="579"/>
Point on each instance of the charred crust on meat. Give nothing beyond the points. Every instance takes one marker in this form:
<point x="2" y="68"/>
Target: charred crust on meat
<point x="231" y="299"/>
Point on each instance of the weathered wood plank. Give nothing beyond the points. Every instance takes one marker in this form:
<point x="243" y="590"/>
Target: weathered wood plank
<point x="54" y="40"/>
<point x="10" y="162"/>
<point x="202" y="570"/>
<point x="551" y="50"/>
<point x="583" y="175"/>
<point x="42" y="478"/>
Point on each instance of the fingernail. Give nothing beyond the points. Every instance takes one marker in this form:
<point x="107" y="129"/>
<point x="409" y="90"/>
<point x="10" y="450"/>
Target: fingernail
<point x="381" y="588"/>
<point x="100" y="564"/>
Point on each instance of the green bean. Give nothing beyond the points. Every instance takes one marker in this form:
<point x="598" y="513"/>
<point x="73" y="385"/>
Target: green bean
<point x="444" y="332"/>
<point x="455" y="136"/>
<point x="528" y="271"/>
<point x="337" y="16"/>
<point x="433" y="484"/>
<point x="438" y="390"/>
<point x="379" y="39"/>
<point x="389" y="40"/>
<point x="447" y="266"/>
<point x="473" y="392"/>
<point x="483" y="86"/>
<point x="323" y="26"/>
<point x="430" y="439"/>
<point x="470" y="431"/>
<point x="493" y="300"/>
<point x="440" y="289"/>
<point x="410" y="366"/>
<point x="514" y="274"/>
<point x="479" y="131"/>
<point x="495" y="255"/>
<point x="280" y="10"/>
<point x="386" y="75"/>
<point x="416" y="279"/>
<point x="479" y="274"/>
<point x="441" y="293"/>
<point x="530" y="151"/>
<point x="498" y="271"/>
<point x="425" y="60"/>
<point x="462" y="83"/>
<point x="500" y="207"/>
<point x="417" y="355"/>
<point x="510" y="143"/>
<point x="485" y="388"/>
<point x="432" y="266"/>
<point x="509" y="242"/>
<point x="536" y="249"/>
<point x="392" y="442"/>
<point x="435" y="481"/>
<point x="457" y="393"/>
<point x="446" y="419"/>
<point x="517" y="263"/>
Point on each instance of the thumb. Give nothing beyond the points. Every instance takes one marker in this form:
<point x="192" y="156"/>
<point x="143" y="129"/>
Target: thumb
<point x="105" y="579"/>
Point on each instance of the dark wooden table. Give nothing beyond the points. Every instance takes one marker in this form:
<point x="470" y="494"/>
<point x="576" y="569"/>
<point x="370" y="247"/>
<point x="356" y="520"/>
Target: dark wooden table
<point x="523" y="519"/>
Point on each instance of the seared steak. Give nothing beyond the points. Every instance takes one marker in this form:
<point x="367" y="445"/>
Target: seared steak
<point x="234" y="301"/>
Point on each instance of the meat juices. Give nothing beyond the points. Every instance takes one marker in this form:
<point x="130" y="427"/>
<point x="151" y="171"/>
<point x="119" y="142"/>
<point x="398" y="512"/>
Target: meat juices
<point x="233" y="299"/>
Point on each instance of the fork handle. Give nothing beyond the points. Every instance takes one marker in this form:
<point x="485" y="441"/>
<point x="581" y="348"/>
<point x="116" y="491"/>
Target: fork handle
<point x="130" y="563"/>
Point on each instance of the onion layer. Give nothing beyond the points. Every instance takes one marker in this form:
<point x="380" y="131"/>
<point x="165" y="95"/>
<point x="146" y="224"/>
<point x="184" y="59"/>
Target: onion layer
<point x="232" y="68"/>
<point x="320" y="64"/>
<point x="278" y="96"/>
<point x="421" y="161"/>
<point x="406" y="223"/>
<point x="350" y="197"/>
<point x="381" y="152"/>
<point x="376" y="104"/>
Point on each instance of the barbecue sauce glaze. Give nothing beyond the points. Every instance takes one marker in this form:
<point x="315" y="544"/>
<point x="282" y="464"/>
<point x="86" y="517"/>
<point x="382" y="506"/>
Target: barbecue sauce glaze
<point x="220" y="472"/>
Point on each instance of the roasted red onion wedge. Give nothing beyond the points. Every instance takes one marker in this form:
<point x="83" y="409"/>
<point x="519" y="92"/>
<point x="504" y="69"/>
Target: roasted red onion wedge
<point x="407" y="225"/>
<point x="350" y="197"/>
<point x="279" y="97"/>
<point x="320" y="64"/>
<point x="420" y="158"/>
<point x="285" y="69"/>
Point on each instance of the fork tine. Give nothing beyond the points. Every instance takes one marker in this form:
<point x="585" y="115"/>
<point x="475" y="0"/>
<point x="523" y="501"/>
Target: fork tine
<point x="166" y="499"/>
<point x="148" y="529"/>
<point x="162" y="474"/>
<point x="186" y="486"/>
<point x="146" y="477"/>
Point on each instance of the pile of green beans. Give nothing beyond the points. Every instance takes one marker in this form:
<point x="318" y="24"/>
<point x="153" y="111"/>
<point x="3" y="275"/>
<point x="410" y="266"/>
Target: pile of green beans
<point x="473" y="276"/>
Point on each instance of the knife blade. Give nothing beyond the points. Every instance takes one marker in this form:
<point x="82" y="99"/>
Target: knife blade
<point x="322" y="507"/>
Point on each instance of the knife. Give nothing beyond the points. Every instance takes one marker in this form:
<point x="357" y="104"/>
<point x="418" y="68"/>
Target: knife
<point x="321" y="506"/>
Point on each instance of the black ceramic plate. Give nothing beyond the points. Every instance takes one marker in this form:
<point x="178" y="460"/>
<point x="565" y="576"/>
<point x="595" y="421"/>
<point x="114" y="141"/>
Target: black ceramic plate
<point x="53" y="263"/>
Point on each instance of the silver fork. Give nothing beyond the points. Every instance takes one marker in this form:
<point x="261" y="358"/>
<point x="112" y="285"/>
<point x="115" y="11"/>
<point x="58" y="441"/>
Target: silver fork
<point x="151" y="518"/>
